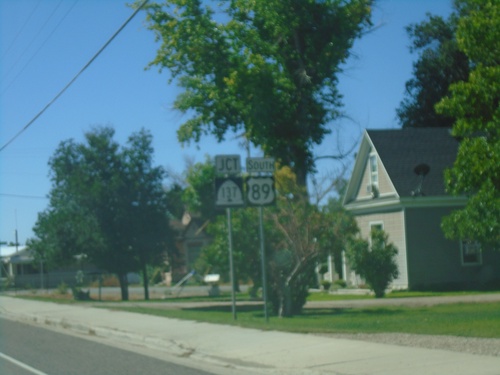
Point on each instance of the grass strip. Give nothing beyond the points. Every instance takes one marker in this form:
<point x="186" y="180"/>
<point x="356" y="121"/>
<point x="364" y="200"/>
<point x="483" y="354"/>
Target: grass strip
<point x="461" y="319"/>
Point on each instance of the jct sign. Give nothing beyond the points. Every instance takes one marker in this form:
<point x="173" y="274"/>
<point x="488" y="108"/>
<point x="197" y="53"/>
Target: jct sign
<point x="229" y="192"/>
<point x="228" y="183"/>
<point x="227" y="165"/>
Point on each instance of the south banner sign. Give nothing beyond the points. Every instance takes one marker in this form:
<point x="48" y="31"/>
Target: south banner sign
<point x="260" y="165"/>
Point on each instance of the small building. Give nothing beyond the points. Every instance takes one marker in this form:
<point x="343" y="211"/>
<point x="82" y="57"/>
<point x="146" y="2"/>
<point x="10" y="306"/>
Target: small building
<point x="191" y="237"/>
<point x="19" y="269"/>
<point x="14" y="260"/>
<point x="397" y="185"/>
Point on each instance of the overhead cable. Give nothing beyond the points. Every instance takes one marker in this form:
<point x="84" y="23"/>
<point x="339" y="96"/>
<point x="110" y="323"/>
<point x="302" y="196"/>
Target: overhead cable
<point x="39" y="48"/>
<point x="74" y="78"/>
<point x="21" y="30"/>
<point x="22" y="196"/>
<point x="37" y="35"/>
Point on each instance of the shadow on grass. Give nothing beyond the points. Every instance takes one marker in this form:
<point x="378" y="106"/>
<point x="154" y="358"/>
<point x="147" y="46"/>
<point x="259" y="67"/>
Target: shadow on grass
<point x="256" y="310"/>
<point x="225" y="308"/>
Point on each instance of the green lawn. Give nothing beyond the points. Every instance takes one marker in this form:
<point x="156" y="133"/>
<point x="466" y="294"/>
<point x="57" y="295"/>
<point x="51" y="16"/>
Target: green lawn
<point x="470" y="320"/>
<point x="395" y="294"/>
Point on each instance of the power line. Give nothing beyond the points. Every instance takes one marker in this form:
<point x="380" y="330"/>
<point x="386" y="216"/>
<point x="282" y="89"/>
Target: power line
<point x="75" y="77"/>
<point x="22" y="29"/>
<point x="22" y="196"/>
<point x="37" y="34"/>
<point x="39" y="48"/>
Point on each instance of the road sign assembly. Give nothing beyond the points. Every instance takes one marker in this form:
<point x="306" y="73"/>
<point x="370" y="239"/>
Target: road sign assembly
<point x="227" y="165"/>
<point x="260" y="165"/>
<point x="260" y="191"/>
<point x="229" y="192"/>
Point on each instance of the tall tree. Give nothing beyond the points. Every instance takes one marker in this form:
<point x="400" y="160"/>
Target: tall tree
<point x="176" y="207"/>
<point x="199" y="194"/>
<point x="301" y="236"/>
<point x="267" y="67"/>
<point x="149" y="233"/>
<point x="107" y="203"/>
<point x="245" y="237"/>
<point x="475" y="104"/>
<point x="440" y="63"/>
<point x="342" y="225"/>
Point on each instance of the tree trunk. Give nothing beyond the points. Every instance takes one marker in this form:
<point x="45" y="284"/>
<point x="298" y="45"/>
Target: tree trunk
<point x="285" y="301"/>
<point x="123" y="286"/>
<point x="145" y="280"/>
<point x="301" y="174"/>
<point x="285" y="309"/>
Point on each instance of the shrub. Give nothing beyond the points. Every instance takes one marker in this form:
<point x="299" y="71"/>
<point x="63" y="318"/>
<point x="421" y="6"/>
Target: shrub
<point x="374" y="262"/>
<point x="340" y="283"/>
<point x="80" y="295"/>
<point x="62" y="288"/>
<point x="326" y="284"/>
<point x="110" y="280"/>
<point x="156" y="276"/>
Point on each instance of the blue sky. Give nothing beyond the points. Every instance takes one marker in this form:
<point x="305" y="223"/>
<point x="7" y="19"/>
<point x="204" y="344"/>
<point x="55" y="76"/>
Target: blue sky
<point x="45" y="43"/>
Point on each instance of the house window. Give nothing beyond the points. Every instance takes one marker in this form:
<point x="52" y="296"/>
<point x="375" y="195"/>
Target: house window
<point x="378" y="225"/>
<point x="471" y="253"/>
<point x="373" y="170"/>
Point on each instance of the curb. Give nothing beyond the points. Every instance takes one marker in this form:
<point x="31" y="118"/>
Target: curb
<point x="171" y="347"/>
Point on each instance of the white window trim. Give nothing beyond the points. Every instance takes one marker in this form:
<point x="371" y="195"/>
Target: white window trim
<point x="372" y="174"/>
<point x="471" y="264"/>
<point x="372" y="224"/>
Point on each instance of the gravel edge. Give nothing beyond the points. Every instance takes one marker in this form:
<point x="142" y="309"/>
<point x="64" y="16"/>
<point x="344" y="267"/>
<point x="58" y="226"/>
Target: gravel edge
<point x="471" y="345"/>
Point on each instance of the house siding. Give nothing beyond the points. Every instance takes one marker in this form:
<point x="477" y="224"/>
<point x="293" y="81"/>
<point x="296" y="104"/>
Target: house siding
<point x="362" y="193"/>
<point x="384" y="183"/>
<point x="394" y="224"/>
<point x="435" y="262"/>
<point x="426" y="259"/>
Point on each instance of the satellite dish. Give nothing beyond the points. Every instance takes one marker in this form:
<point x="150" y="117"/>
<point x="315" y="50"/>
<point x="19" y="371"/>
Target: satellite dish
<point x="422" y="170"/>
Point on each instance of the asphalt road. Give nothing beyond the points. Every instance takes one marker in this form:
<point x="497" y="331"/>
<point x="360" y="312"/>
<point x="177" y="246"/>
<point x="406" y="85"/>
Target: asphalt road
<point x="26" y="349"/>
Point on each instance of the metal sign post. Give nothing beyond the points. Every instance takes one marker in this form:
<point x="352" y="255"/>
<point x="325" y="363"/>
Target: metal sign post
<point x="261" y="192"/>
<point x="263" y="263"/>
<point x="231" y="264"/>
<point x="229" y="193"/>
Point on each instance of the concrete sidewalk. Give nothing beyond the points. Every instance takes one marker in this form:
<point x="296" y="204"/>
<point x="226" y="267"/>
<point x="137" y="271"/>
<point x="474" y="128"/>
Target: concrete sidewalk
<point x="263" y="352"/>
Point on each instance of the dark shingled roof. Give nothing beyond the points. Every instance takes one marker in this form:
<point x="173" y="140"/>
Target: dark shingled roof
<point x="401" y="150"/>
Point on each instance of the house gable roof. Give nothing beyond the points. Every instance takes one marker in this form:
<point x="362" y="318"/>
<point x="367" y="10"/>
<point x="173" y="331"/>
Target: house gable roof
<point x="400" y="151"/>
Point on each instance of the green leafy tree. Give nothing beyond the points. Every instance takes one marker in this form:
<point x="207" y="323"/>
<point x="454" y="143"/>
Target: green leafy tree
<point x="199" y="194"/>
<point x="149" y="234"/>
<point x="440" y="63"/>
<point x="246" y="247"/>
<point x="475" y="105"/>
<point x="199" y="197"/>
<point x="374" y="261"/>
<point x="175" y="203"/>
<point x="301" y="236"/>
<point x="294" y="253"/>
<point x="106" y="202"/>
<point x="267" y="67"/>
<point x="342" y="226"/>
